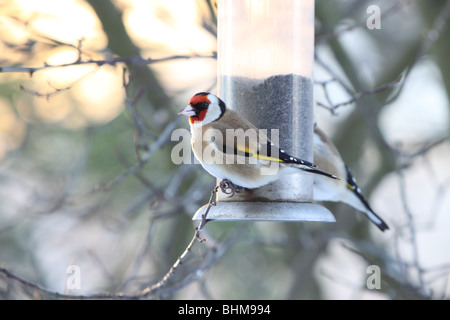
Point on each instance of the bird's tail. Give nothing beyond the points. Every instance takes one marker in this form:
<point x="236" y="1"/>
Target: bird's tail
<point x="376" y="220"/>
<point x="317" y="171"/>
<point x="351" y="184"/>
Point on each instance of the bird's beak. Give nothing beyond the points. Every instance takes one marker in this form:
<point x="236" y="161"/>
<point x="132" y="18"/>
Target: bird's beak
<point x="188" y="111"/>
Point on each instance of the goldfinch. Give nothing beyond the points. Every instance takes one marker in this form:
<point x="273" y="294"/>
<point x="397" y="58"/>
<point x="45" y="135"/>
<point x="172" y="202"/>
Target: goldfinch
<point x="246" y="162"/>
<point x="345" y="189"/>
<point x="256" y="161"/>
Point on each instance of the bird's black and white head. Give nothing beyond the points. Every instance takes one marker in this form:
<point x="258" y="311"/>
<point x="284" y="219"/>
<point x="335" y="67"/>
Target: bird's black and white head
<point x="204" y="108"/>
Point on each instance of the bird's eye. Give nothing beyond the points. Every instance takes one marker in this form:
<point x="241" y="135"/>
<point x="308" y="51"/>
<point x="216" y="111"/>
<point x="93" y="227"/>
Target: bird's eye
<point x="205" y="105"/>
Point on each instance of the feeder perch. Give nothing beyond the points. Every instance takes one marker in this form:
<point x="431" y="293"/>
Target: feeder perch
<point x="265" y="65"/>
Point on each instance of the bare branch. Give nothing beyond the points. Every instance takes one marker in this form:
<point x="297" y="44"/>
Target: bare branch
<point x="99" y="62"/>
<point x="148" y="292"/>
<point x="162" y="140"/>
<point x="332" y="107"/>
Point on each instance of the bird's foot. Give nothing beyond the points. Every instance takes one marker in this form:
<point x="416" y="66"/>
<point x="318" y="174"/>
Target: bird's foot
<point x="230" y="188"/>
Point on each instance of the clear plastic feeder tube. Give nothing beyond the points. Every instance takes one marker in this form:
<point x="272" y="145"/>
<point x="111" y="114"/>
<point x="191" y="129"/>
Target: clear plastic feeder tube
<point x="265" y="65"/>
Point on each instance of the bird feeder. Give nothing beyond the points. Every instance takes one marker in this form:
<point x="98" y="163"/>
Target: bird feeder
<point x="265" y="64"/>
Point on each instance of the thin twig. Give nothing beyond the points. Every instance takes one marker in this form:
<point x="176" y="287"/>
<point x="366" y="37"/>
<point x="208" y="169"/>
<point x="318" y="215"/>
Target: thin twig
<point x="412" y="230"/>
<point x="145" y="293"/>
<point x="195" y="238"/>
<point x="162" y="140"/>
<point x="101" y="62"/>
<point x="332" y="107"/>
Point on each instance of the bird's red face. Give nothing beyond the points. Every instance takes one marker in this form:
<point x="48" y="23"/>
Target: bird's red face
<point x="204" y="108"/>
<point x="200" y="103"/>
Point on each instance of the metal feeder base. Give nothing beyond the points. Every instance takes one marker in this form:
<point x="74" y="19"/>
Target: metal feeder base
<point x="266" y="211"/>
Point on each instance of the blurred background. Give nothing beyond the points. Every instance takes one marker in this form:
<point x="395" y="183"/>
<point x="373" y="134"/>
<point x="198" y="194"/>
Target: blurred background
<point x="89" y="95"/>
